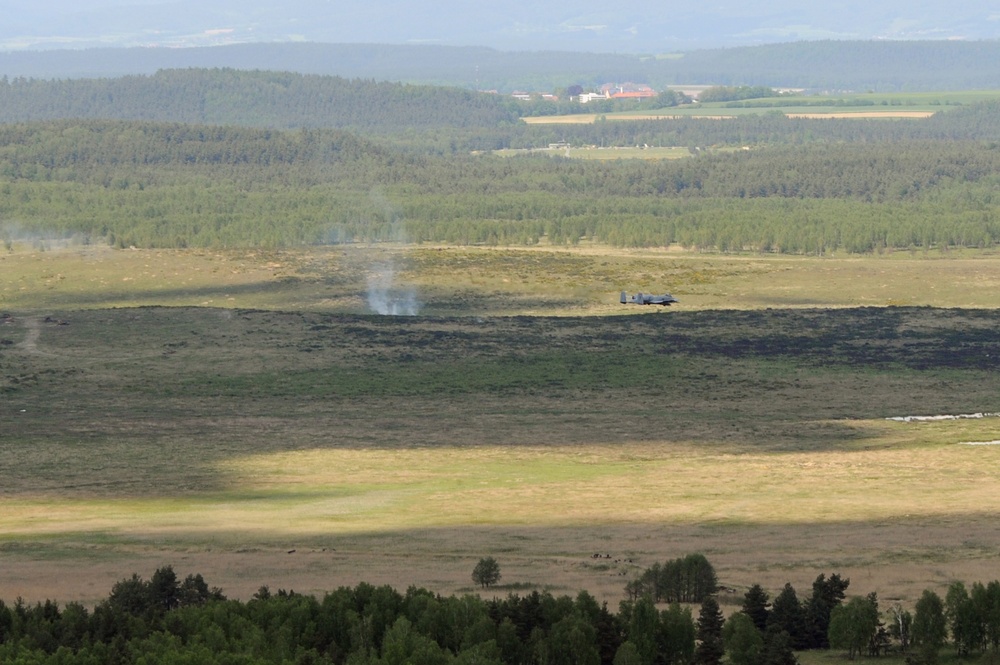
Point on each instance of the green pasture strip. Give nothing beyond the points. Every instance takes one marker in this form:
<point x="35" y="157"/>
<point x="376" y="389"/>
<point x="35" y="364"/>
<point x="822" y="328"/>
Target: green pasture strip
<point x="721" y="110"/>
<point x="859" y="103"/>
<point x="873" y="100"/>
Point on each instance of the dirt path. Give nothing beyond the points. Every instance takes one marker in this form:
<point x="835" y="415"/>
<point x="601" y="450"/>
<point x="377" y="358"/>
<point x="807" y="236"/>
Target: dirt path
<point x="34" y="331"/>
<point x="865" y="114"/>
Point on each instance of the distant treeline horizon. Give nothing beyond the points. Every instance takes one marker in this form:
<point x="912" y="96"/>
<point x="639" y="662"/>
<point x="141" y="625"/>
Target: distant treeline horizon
<point x="882" y="66"/>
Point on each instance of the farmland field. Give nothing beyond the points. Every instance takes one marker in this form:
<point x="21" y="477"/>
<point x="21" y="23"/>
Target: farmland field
<point x="860" y="106"/>
<point x="245" y="415"/>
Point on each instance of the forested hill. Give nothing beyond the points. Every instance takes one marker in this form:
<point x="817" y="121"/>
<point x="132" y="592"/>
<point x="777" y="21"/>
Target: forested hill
<point x="836" y="65"/>
<point x="93" y="151"/>
<point x="256" y="99"/>
<point x="431" y="119"/>
<point x="844" y="65"/>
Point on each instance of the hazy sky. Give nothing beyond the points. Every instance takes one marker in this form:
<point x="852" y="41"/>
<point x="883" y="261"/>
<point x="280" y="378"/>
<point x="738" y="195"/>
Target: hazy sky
<point x="592" y="25"/>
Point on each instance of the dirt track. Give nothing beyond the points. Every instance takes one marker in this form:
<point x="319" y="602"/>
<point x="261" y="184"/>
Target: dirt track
<point x="30" y="343"/>
<point x="865" y="114"/>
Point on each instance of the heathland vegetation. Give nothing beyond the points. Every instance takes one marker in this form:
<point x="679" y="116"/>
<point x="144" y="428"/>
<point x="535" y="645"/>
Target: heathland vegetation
<point x="261" y="428"/>
<point x="402" y="449"/>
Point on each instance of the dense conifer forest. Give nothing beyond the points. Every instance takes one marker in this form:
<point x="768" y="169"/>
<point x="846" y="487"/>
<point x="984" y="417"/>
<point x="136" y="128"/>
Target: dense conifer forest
<point x="430" y="118"/>
<point x="761" y="183"/>
<point x="169" y="620"/>
<point x="259" y="99"/>
<point x="224" y="158"/>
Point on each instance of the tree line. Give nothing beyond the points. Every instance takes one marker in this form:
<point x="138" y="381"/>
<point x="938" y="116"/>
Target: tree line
<point x="169" y="620"/>
<point x="256" y="99"/>
<point x="690" y="579"/>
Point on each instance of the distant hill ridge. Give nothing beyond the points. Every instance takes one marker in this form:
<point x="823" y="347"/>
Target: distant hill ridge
<point x="255" y="99"/>
<point x="838" y="65"/>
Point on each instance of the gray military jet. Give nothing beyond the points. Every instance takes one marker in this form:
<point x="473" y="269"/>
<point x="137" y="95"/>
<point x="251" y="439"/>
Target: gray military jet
<point x="648" y="299"/>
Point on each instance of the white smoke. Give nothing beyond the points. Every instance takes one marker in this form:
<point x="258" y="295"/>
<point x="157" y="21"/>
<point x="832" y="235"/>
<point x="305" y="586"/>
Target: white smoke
<point x="386" y="297"/>
<point x="387" y="294"/>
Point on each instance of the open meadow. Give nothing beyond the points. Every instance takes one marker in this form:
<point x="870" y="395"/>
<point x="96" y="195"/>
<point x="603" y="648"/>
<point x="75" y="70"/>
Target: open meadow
<point x="246" y="415"/>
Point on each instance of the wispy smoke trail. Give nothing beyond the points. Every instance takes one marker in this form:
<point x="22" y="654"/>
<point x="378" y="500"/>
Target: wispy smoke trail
<point x="384" y="297"/>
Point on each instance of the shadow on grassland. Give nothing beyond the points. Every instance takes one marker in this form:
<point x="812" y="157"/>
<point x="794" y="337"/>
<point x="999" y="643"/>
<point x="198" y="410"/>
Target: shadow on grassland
<point x="310" y="294"/>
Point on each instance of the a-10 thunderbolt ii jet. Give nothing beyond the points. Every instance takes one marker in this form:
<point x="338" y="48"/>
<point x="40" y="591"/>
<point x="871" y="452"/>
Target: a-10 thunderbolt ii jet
<point x="648" y="299"/>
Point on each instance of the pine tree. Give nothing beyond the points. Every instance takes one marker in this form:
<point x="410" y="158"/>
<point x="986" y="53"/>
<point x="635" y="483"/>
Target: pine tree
<point x="787" y="615"/>
<point x="756" y="605"/>
<point x="710" y="621"/>
<point x="827" y="594"/>
<point x="778" y="648"/>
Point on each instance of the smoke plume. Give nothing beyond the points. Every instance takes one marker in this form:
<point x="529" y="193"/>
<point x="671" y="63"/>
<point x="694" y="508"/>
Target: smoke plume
<point x="385" y="296"/>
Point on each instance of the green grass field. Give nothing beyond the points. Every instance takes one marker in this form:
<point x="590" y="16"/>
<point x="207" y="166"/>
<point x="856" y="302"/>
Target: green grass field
<point x="217" y="410"/>
<point x="888" y="105"/>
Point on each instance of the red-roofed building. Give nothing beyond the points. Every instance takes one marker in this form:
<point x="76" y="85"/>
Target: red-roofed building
<point x="633" y="94"/>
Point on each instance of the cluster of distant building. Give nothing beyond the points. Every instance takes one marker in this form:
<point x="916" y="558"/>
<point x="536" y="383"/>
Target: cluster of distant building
<point x="637" y="91"/>
<point x="606" y="91"/>
<point x="618" y="91"/>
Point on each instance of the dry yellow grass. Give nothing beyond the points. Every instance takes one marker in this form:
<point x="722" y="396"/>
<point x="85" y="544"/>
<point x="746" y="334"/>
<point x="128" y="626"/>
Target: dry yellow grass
<point x="335" y="492"/>
<point x="590" y="118"/>
<point x="909" y="510"/>
<point x="541" y="280"/>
